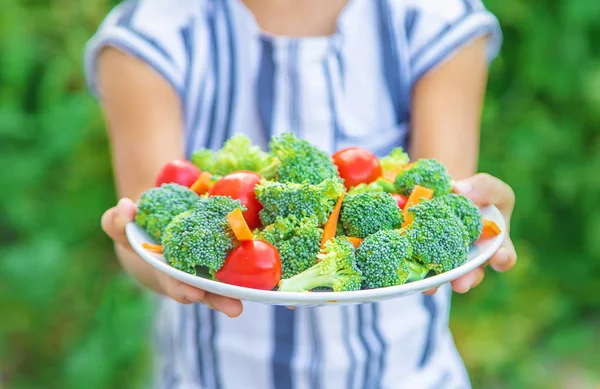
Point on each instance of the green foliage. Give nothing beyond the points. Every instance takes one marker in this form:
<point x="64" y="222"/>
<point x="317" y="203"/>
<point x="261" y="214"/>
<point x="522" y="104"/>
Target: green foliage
<point x="70" y="319"/>
<point x="297" y="240"/>
<point x="336" y="270"/>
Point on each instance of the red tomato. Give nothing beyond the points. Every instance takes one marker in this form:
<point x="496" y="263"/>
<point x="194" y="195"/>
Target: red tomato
<point x="253" y="264"/>
<point x="179" y="172"/>
<point x="357" y="166"/>
<point x="240" y="186"/>
<point x="401" y="200"/>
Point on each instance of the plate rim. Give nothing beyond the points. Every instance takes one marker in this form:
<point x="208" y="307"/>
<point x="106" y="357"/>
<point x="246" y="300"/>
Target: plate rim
<point x="273" y="296"/>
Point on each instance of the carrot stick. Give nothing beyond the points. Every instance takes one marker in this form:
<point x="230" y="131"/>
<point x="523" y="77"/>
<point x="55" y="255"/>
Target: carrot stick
<point x="331" y="225"/>
<point x="153" y="247"/>
<point x="418" y="193"/>
<point x="490" y="229"/>
<point x="355" y="241"/>
<point x="202" y="184"/>
<point x="238" y="225"/>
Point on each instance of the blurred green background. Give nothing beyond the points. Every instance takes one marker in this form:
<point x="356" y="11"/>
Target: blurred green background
<point x="70" y="319"/>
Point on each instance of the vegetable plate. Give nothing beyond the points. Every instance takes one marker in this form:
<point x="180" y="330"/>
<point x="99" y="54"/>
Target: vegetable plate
<point x="296" y="226"/>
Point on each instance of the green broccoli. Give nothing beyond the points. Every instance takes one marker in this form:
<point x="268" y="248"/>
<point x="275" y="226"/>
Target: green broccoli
<point x="364" y="214"/>
<point x="297" y="240"/>
<point x="365" y="188"/>
<point x="383" y="259"/>
<point x="394" y="161"/>
<point x="296" y="160"/>
<point x="238" y="153"/>
<point x="424" y="172"/>
<point x="440" y="241"/>
<point x="336" y="270"/>
<point x="416" y="271"/>
<point x="301" y="200"/>
<point x="469" y="214"/>
<point x="201" y="236"/>
<point x="158" y="206"/>
<point x="379" y="185"/>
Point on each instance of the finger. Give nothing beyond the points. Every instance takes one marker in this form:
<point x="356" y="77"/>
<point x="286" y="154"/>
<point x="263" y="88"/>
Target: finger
<point x="115" y="219"/>
<point x="480" y="276"/>
<point x="178" y="291"/>
<point x="174" y="289"/>
<point x="464" y="283"/>
<point x="484" y="189"/>
<point x="430" y="292"/>
<point x="229" y="306"/>
<point x="505" y="258"/>
<point x="291" y="308"/>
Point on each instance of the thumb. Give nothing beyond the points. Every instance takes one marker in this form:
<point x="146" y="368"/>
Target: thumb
<point x="484" y="189"/>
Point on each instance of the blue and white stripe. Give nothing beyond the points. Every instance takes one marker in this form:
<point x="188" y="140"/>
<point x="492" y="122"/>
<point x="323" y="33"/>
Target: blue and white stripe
<point x="352" y="88"/>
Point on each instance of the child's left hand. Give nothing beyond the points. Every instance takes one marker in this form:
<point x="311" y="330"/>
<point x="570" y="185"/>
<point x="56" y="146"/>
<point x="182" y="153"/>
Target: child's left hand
<point x="484" y="190"/>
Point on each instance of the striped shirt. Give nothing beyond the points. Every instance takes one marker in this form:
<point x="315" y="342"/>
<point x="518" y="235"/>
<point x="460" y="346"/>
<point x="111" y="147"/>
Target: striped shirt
<point x="350" y="88"/>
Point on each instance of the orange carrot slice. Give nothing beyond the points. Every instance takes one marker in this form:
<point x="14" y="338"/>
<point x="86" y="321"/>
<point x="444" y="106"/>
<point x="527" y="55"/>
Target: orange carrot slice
<point x="202" y="184"/>
<point x="156" y="248"/>
<point x="238" y="225"/>
<point x="331" y="225"/>
<point x="418" y="193"/>
<point x="490" y="229"/>
<point x="355" y="241"/>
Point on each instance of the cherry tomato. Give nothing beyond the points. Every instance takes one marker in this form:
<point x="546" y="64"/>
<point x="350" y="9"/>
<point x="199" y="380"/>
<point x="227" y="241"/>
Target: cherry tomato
<point x="240" y="186"/>
<point x="401" y="200"/>
<point x="357" y="166"/>
<point x="253" y="264"/>
<point x="179" y="172"/>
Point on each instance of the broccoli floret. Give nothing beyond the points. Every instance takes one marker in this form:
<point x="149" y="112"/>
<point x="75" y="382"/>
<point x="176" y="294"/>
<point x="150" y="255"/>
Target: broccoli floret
<point x="364" y="214"/>
<point x="158" y="206"/>
<point x="238" y="153"/>
<point x="301" y="200"/>
<point x="394" y="161"/>
<point x="336" y="270"/>
<point x="469" y="214"/>
<point x="439" y="239"/>
<point x="297" y="240"/>
<point x="296" y="160"/>
<point x="383" y="259"/>
<point x="424" y="172"/>
<point x="201" y="236"/>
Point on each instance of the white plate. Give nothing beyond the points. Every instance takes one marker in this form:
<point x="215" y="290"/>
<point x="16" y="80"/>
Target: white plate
<point x="478" y="254"/>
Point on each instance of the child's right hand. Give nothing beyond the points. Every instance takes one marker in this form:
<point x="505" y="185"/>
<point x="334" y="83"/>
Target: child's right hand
<point x="114" y="221"/>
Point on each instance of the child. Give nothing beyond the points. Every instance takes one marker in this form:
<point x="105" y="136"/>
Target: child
<point x="176" y="75"/>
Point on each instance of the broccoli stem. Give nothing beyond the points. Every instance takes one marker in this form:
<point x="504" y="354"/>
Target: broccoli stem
<point x="416" y="272"/>
<point x="270" y="170"/>
<point x="386" y="185"/>
<point x="309" y="279"/>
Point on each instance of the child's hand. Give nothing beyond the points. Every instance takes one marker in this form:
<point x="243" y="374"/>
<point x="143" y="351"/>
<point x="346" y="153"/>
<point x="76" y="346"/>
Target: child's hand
<point x="114" y="221"/>
<point x="484" y="190"/>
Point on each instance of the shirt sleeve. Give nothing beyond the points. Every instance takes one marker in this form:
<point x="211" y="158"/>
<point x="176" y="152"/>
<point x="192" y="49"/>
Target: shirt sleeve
<point x="436" y="29"/>
<point x="152" y="30"/>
